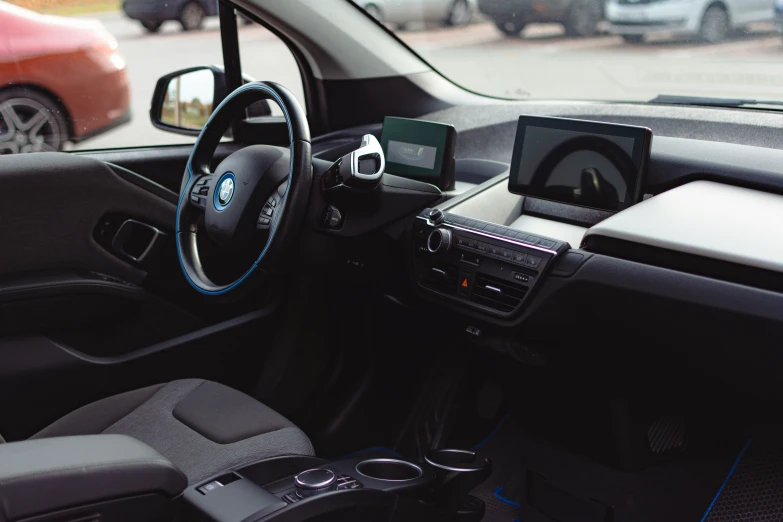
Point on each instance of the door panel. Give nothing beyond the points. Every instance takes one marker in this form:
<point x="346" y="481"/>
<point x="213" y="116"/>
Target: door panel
<point x="80" y="319"/>
<point x="163" y="165"/>
<point x="54" y="201"/>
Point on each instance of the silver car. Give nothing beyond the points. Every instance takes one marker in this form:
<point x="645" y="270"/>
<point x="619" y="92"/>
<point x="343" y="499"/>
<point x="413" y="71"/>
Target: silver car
<point x="400" y="12"/>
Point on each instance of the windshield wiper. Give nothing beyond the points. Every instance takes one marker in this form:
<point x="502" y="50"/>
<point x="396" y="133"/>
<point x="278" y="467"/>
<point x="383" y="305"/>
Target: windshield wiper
<point x="668" y="99"/>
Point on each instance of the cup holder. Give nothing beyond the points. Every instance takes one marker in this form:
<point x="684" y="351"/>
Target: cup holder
<point x="454" y="460"/>
<point x="392" y="470"/>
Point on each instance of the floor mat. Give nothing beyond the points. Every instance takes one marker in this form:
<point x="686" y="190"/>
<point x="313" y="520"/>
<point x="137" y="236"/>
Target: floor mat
<point x="674" y="491"/>
<point x="753" y="490"/>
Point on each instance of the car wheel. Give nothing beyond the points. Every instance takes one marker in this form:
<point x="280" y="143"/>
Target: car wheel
<point x="151" y="26"/>
<point x="374" y="11"/>
<point x="30" y="122"/>
<point x="715" y="24"/>
<point x="510" y="27"/>
<point x="583" y="18"/>
<point x="192" y="16"/>
<point x="459" y="14"/>
<point x="633" y="38"/>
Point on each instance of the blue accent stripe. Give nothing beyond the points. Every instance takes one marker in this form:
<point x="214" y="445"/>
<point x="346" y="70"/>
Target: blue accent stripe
<point x="273" y="227"/>
<point x="731" y="472"/>
<point x="492" y="433"/>
<point x="503" y="499"/>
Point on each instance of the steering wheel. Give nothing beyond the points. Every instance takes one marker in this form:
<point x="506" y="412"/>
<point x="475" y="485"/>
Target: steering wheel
<point x="257" y="196"/>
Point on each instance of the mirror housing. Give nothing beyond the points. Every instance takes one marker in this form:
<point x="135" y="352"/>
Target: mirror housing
<point x="183" y="100"/>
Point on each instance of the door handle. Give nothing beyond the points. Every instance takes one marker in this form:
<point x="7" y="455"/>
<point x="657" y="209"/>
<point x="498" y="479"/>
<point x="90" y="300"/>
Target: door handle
<point x="136" y="240"/>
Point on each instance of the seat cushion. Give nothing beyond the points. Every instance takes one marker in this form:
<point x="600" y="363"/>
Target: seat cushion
<point x="203" y="427"/>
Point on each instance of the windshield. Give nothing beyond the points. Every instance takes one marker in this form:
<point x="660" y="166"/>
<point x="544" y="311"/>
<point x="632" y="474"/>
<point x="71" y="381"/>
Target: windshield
<point x="624" y="50"/>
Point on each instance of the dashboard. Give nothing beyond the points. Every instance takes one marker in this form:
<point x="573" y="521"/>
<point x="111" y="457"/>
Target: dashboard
<point x="693" y="273"/>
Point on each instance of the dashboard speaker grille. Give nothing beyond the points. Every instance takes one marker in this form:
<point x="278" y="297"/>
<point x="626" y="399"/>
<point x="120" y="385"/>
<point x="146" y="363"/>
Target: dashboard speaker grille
<point x="497" y="294"/>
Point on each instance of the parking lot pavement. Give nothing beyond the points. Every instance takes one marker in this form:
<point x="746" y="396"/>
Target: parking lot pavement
<point x="542" y="64"/>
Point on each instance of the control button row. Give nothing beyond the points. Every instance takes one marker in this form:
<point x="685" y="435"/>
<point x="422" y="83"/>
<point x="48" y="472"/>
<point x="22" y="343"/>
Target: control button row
<point x="346" y="482"/>
<point x="200" y="191"/>
<point x="292" y="497"/>
<point x="498" y="230"/>
<point x="268" y="212"/>
<point x="505" y="254"/>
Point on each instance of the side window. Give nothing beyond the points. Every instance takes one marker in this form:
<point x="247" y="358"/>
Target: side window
<point x="79" y="75"/>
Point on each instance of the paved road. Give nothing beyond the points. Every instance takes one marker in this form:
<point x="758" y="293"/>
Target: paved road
<point x="543" y="64"/>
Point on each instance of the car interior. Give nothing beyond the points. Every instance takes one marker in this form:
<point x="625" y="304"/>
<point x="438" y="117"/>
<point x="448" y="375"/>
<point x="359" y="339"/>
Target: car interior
<point x="397" y="301"/>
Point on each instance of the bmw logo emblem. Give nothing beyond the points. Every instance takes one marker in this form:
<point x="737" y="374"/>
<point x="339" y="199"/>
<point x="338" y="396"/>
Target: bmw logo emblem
<point x="226" y="191"/>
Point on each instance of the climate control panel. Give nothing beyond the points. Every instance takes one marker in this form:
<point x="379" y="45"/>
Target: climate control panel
<point x="484" y="266"/>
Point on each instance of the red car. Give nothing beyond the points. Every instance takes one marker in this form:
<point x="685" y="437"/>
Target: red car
<point x="61" y="79"/>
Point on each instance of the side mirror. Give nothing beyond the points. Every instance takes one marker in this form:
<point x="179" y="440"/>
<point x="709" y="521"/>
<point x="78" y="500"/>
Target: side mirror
<point x="184" y="100"/>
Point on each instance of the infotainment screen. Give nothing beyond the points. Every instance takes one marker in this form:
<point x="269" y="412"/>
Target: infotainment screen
<point x="418" y="149"/>
<point x="591" y="164"/>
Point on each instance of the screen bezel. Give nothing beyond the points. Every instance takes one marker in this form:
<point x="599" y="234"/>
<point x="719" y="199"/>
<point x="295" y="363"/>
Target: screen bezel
<point x="441" y="136"/>
<point x="642" y="137"/>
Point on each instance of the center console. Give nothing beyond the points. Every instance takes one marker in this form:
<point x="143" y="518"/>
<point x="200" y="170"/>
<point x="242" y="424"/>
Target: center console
<point x="361" y="489"/>
<point x="490" y="268"/>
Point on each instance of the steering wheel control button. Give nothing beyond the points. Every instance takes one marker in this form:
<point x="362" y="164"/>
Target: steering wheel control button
<point x="332" y="218"/>
<point x="314" y="481"/>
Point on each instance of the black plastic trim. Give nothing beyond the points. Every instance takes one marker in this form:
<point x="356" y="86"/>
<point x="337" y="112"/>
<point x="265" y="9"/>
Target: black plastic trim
<point x="144" y="183"/>
<point x="690" y="263"/>
<point x="50" y="284"/>
<point x="172" y="343"/>
<point x="563" y="212"/>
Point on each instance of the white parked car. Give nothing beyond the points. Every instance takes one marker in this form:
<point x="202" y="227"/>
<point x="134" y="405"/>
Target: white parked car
<point x="710" y="20"/>
<point x="401" y="12"/>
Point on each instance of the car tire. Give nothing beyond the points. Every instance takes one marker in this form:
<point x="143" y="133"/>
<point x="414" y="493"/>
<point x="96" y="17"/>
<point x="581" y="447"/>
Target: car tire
<point x="583" y="18"/>
<point x="31" y="121"/>
<point x="715" y="24"/>
<point x="151" y="26"/>
<point x="633" y="38"/>
<point x="510" y="28"/>
<point x="459" y="14"/>
<point x="191" y="17"/>
<point x="375" y="12"/>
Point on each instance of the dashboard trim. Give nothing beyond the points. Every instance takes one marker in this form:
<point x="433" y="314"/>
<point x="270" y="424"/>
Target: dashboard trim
<point x="708" y="219"/>
<point x="490" y="236"/>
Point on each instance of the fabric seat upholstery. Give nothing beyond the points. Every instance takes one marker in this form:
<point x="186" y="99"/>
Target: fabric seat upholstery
<point x="201" y="426"/>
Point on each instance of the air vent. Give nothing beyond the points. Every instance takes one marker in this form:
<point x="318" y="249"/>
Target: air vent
<point x="497" y="294"/>
<point x="442" y="277"/>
